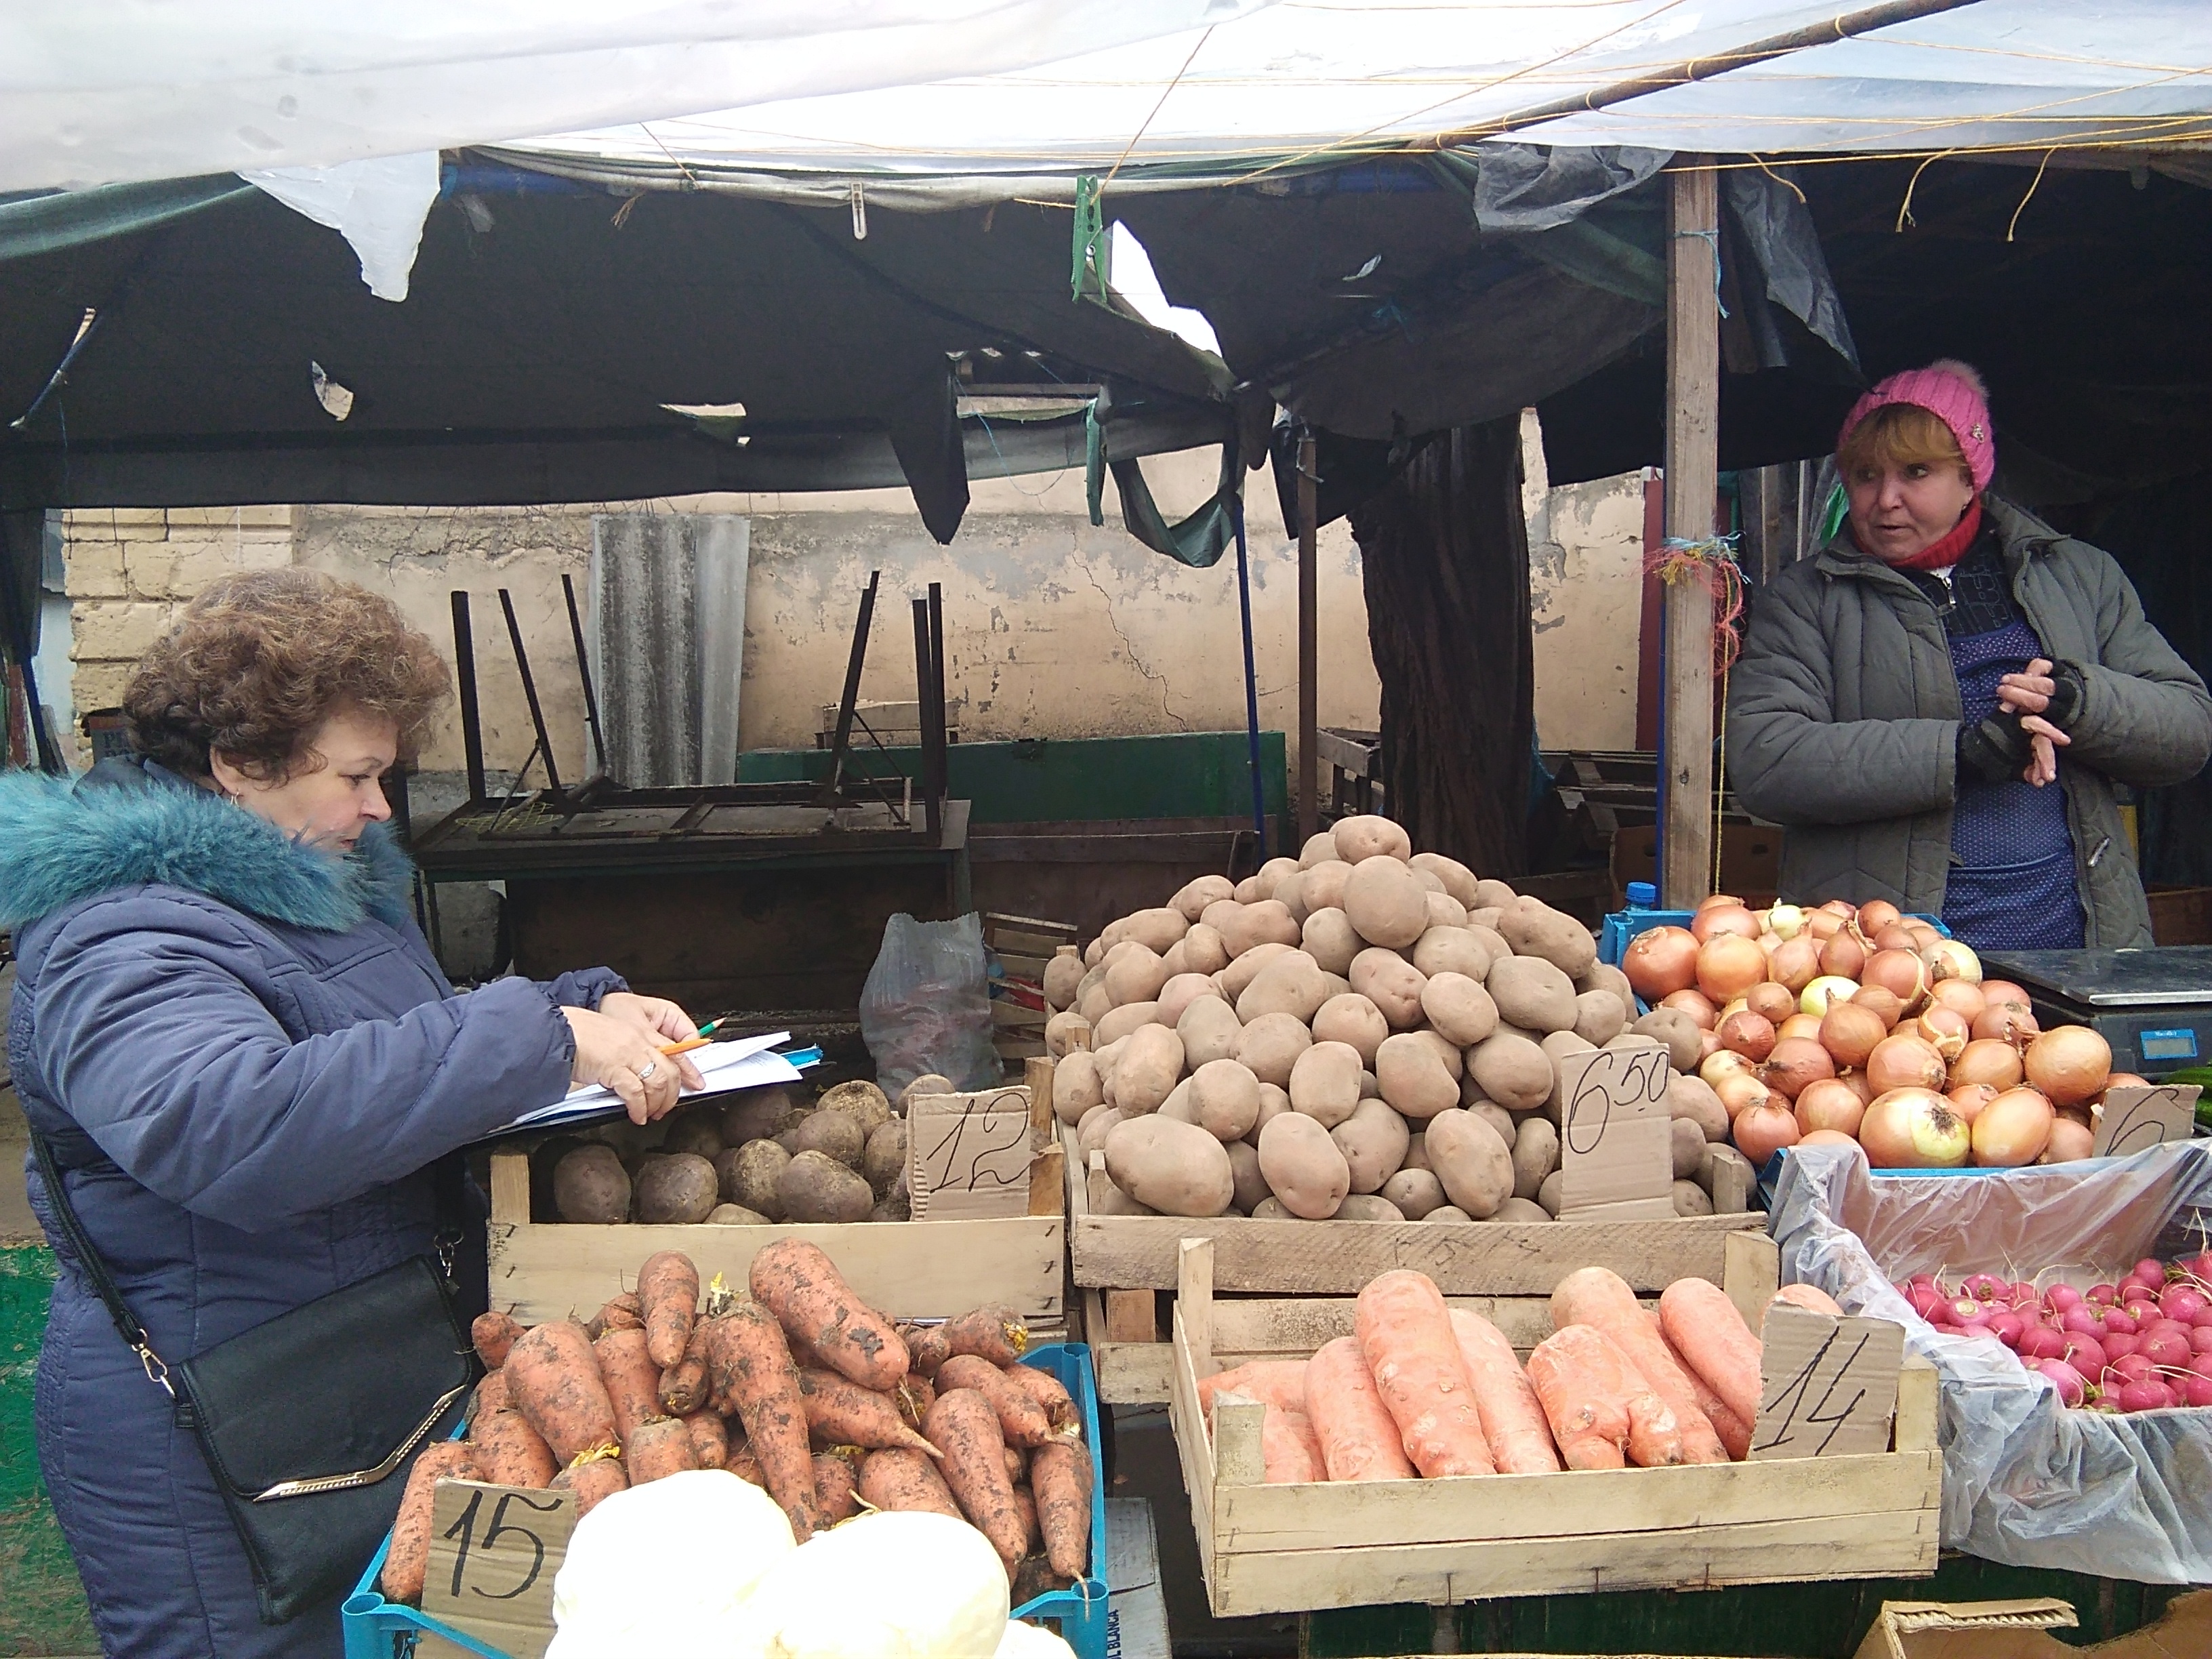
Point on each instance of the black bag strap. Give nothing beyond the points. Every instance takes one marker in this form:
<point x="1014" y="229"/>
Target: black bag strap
<point x="94" y="1265"/>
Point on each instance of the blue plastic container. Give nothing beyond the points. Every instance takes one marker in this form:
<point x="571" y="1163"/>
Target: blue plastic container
<point x="377" y="1629"/>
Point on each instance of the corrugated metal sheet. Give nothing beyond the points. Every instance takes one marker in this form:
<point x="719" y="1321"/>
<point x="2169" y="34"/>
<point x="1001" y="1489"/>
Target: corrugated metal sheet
<point x="667" y="633"/>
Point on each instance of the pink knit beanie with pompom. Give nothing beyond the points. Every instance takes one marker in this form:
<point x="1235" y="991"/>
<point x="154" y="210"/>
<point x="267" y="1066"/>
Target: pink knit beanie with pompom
<point x="1953" y="393"/>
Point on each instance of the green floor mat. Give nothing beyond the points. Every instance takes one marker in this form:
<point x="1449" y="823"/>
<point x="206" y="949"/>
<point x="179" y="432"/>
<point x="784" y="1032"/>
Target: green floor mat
<point x="42" y="1611"/>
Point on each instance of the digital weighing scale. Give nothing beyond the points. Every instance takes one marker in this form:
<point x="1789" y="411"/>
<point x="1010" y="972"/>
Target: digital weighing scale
<point x="2154" y="1006"/>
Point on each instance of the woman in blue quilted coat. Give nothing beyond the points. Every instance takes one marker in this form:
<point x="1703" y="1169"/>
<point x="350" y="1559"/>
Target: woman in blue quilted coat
<point x="244" y="1056"/>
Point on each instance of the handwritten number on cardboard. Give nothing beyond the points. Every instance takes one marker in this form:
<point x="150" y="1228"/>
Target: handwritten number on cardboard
<point x="1794" y="1398"/>
<point x="463" y="1532"/>
<point x="966" y="1167"/>
<point x="1629" y="1076"/>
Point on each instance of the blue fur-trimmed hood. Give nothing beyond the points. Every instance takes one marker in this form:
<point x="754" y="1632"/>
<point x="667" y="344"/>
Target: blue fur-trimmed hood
<point x="125" y="826"/>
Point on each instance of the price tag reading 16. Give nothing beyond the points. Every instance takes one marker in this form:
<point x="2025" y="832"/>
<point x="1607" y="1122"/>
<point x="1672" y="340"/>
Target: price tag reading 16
<point x="1616" y="1156"/>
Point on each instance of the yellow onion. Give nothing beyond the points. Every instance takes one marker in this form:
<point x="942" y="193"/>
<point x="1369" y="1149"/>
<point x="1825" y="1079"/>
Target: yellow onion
<point x="1659" y="961"/>
<point x="1850" y="1032"/>
<point x="2069" y="1063"/>
<point x="1945" y="1028"/>
<point x="2005" y="1022"/>
<point x="1796" y="962"/>
<point x="1995" y="991"/>
<point x="1804" y="1025"/>
<point x="1900" y="973"/>
<point x="1903" y="1061"/>
<point x="1795" y="1062"/>
<point x="1725" y="1063"/>
<point x="1883" y="1002"/>
<point x="2013" y="1129"/>
<point x="1697" y="1005"/>
<point x="1748" y="1034"/>
<point x="1759" y="1131"/>
<point x="1963" y="995"/>
<point x="1728" y="964"/>
<point x="1876" y="914"/>
<point x="1786" y="920"/>
<point x="2069" y="1140"/>
<point x="1740" y="1094"/>
<point x="1967" y="1099"/>
<point x="1948" y="959"/>
<point x="1991" y="1060"/>
<point x="1728" y="917"/>
<point x="1772" y="1002"/>
<point x="1829" y="988"/>
<point x="1844" y="955"/>
<point x="1914" y="1129"/>
<point x="1830" y="1103"/>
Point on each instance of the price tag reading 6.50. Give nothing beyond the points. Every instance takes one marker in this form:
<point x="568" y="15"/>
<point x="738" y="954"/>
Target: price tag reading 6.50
<point x="494" y="1551"/>
<point x="1616" y="1142"/>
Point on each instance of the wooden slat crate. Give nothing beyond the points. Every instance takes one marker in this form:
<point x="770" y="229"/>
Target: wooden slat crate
<point x="1285" y="1548"/>
<point x="910" y="1269"/>
<point x="1504" y="1270"/>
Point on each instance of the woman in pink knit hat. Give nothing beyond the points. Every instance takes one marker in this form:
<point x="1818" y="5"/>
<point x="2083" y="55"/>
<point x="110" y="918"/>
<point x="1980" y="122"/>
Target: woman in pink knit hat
<point x="1939" y="703"/>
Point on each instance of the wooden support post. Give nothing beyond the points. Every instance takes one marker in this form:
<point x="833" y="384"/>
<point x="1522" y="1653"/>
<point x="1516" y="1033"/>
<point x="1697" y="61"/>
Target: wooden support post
<point x="1309" y="815"/>
<point x="1693" y="361"/>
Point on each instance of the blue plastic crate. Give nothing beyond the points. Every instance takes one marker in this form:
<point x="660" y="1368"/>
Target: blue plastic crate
<point x="1622" y="926"/>
<point x="377" y="1629"/>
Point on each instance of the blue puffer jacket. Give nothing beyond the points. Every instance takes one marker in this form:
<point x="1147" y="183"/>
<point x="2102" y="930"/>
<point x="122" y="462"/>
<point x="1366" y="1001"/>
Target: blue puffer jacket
<point x="246" y="1056"/>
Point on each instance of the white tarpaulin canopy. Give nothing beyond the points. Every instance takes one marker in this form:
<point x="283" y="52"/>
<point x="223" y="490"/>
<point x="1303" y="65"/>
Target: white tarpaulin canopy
<point x="1308" y="80"/>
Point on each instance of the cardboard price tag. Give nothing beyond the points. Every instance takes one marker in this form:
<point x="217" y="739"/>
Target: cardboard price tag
<point x="1616" y="1142"/>
<point x="2136" y="1117"/>
<point x="1827" y="1386"/>
<point x="494" y="1551"/>
<point x="968" y="1155"/>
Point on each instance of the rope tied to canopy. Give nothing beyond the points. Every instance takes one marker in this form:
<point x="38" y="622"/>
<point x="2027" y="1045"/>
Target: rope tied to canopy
<point x="1711" y="564"/>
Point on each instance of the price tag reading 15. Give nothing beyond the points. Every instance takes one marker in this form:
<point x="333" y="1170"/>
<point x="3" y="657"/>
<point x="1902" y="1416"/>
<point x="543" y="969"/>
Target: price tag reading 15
<point x="1616" y="1158"/>
<point x="494" y="1553"/>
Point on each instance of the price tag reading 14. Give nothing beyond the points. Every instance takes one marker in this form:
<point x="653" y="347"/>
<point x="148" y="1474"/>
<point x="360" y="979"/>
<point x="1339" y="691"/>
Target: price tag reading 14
<point x="1616" y="1142"/>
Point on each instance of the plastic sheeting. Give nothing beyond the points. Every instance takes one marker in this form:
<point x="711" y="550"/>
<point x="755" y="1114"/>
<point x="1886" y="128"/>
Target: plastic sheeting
<point x="377" y="205"/>
<point x="2025" y="1481"/>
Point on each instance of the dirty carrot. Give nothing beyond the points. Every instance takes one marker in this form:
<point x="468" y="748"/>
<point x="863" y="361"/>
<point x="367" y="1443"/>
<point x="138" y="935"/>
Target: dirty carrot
<point x="801" y="1286"/>
<point x="965" y="1428"/>
<point x="668" y="1293"/>
<point x="750" y="1365"/>
<point x="554" y="1380"/>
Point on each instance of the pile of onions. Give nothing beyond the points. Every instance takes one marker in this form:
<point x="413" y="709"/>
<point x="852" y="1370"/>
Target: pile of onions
<point x="1914" y="1129"/>
<point x="1903" y="1061"/>
<point x="1659" y="961"/>
<point x="2069" y="1063"/>
<point x="2014" y="1128"/>
<point x="1729" y="965"/>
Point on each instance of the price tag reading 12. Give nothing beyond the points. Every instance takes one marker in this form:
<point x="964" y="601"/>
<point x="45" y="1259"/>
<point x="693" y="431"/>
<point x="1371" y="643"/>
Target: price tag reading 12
<point x="1616" y="1142"/>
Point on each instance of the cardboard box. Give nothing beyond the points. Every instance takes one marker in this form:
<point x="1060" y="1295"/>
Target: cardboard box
<point x="2017" y="1630"/>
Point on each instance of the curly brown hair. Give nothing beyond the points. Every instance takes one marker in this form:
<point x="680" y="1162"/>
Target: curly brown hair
<point x="259" y="660"/>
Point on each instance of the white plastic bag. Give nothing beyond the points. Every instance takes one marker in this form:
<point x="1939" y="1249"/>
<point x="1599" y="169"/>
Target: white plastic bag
<point x="2026" y="1481"/>
<point x="926" y="1007"/>
<point x="893" y="1584"/>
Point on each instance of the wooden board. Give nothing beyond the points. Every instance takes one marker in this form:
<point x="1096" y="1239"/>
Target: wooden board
<point x="910" y="1269"/>
<point x="1267" y="1549"/>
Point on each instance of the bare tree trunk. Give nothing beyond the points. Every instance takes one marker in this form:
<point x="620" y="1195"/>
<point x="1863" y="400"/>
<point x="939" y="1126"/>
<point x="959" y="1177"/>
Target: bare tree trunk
<point x="1444" y="554"/>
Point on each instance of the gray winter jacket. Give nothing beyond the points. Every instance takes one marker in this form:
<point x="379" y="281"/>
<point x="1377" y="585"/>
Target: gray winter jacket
<point x="1842" y="721"/>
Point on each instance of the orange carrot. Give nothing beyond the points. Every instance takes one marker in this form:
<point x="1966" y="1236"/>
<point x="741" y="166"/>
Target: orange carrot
<point x="841" y="1411"/>
<point x="492" y="1335"/>
<point x="1405" y="1335"/>
<point x="1600" y="1298"/>
<point x="683" y="1385"/>
<point x="633" y="1380"/>
<point x="493" y="1395"/>
<point x="742" y="1463"/>
<point x="553" y="1379"/>
<point x="407" y="1563"/>
<point x="1735" y="1433"/>
<point x="1289" y="1453"/>
<point x="991" y="1332"/>
<point x="593" y="1480"/>
<point x="710" y="1439"/>
<point x="1359" y="1439"/>
<point x="916" y="1394"/>
<point x="1811" y="1297"/>
<point x="1703" y="1326"/>
<point x="1025" y="1506"/>
<point x="1603" y="1414"/>
<point x="1021" y="1419"/>
<point x="750" y="1365"/>
<point x="659" y="1447"/>
<point x="509" y="1452"/>
<point x="1512" y="1416"/>
<point x="964" y="1427"/>
<point x="927" y="1347"/>
<point x="1059" y="1408"/>
<point x="1272" y="1381"/>
<point x="837" y="1487"/>
<point x="902" y="1479"/>
<point x="1018" y="1465"/>
<point x="798" y="1283"/>
<point x="619" y="1313"/>
<point x="668" y="1291"/>
<point x="1060" y="1477"/>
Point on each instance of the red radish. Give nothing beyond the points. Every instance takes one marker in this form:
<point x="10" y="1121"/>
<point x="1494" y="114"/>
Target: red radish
<point x="1925" y="1303"/>
<point x="2135" y="1289"/>
<point x="2071" y="1385"/>
<point x="2009" y="1327"/>
<point x="1984" y="1287"/>
<point x="2152" y="1272"/>
<point x="2145" y="1396"/>
<point x="2119" y="1344"/>
<point x="2085" y="1354"/>
<point x="2197" y="1268"/>
<point x="2200" y="1338"/>
<point x="2196" y="1390"/>
<point x="2083" y="1320"/>
<point x="2023" y="1294"/>
<point x="2122" y="1324"/>
<point x="2102" y="1294"/>
<point x="1965" y="1307"/>
<point x="2134" y="1367"/>
<point x="2059" y="1297"/>
<point x="2181" y="1303"/>
<point x="2164" y="1348"/>
<point x="2041" y="1342"/>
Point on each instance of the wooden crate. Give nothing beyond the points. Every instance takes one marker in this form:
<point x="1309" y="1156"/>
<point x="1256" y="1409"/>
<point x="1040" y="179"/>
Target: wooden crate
<point x="909" y="1269"/>
<point x="1269" y="1549"/>
<point x="1504" y="1270"/>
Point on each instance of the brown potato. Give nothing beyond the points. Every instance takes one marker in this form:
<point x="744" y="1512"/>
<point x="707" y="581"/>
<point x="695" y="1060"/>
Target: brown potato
<point x="1490" y="895"/>
<point x="1469" y="1158"/>
<point x="1417" y="1155"/>
<point x="1367" y="1206"/>
<point x="1392" y="984"/>
<point x="1367" y="836"/>
<point x="759" y="1112"/>
<point x="591" y="1187"/>
<point x="1536" y="1155"/>
<point x="1250" y="1186"/>
<point x="1123" y="1021"/>
<point x="1090" y="1134"/>
<point x="1415" y="1192"/>
<point x="1675" y="1028"/>
<point x="1076" y="1086"/>
<point x="1454" y="951"/>
<point x="1104" y="1198"/>
<point x="1520" y="1210"/>
<point x="1351" y="1019"/>
<point x="1559" y="1046"/>
<point x="1304" y="1167"/>
<point x="1209" y="1029"/>
<point x="1291" y="893"/>
<point x="1203" y="951"/>
<point x="1690" y="1099"/>
<point x="1444" y="910"/>
<point x="1373" y="1141"/>
<point x="1497" y="1117"/>
<point x="1247" y="890"/>
<point x="1156" y="930"/>
<point x="1549" y="1196"/>
<point x="1604" y="977"/>
<point x="1691" y="1198"/>
<point x="1534" y="929"/>
<point x="1460" y="1010"/>
<point x="1193" y="896"/>
<point x="1066" y="1032"/>
<point x="749" y="1176"/>
<point x="1325" y="1083"/>
<point x="1179" y="993"/>
<point x="861" y="1101"/>
<point x="1511" y="1071"/>
<point x="834" y="1134"/>
<point x="1319" y="849"/>
<point x="1094" y="953"/>
<point x="1266" y="922"/>
<point x="1238" y="976"/>
<point x="1599" y="1016"/>
<point x="1323" y="887"/>
<point x="1413" y="1077"/>
<point x="1224" y="1099"/>
<point x="1147" y="1070"/>
<point x="1177" y="1169"/>
<point x="1137" y="977"/>
<point x="1177" y="1104"/>
<point x="1688" y="1146"/>
<point x="736" y="1215"/>
<point x="1272" y="874"/>
<point x="1459" y="881"/>
<point x="1532" y="993"/>
<point x="816" y="1187"/>
<point x="1063" y="975"/>
<point x="692" y="1131"/>
<point x="1291" y="984"/>
<point x="1386" y="902"/>
<point x="1271" y="1209"/>
<point x="1271" y="1046"/>
<point x="1330" y="940"/>
<point x="1274" y="1101"/>
<point x="1093" y="1004"/>
<point x="885" y="1160"/>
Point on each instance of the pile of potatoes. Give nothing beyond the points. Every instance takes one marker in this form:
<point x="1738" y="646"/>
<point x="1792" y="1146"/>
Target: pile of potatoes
<point x="749" y="1159"/>
<point x="1359" y="1033"/>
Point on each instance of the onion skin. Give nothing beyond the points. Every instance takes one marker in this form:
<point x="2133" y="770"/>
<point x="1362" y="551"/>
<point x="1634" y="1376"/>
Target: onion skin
<point x="1991" y="1060"/>
<point x="2013" y="1129"/>
<point x="1697" y="1005"/>
<point x="1914" y="1128"/>
<point x="1967" y="1099"/>
<point x="2005" y="1022"/>
<point x="2069" y="1064"/>
<point x="1762" y="1130"/>
<point x="1961" y="995"/>
<point x="1771" y="1001"/>
<point x="1830" y="1104"/>
<point x="1723" y="916"/>
<point x="2069" y="1140"/>
<point x="1900" y="973"/>
<point x="1794" y="1063"/>
<point x="1748" y="1034"/>
<point x="1943" y="1029"/>
<point x="1829" y="988"/>
<point x="1851" y="1031"/>
<point x="1902" y="1061"/>
<point x="1729" y="965"/>
<point x="1660" y="961"/>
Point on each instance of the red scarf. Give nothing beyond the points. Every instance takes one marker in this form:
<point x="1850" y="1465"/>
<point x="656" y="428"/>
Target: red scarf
<point x="1946" y="550"/>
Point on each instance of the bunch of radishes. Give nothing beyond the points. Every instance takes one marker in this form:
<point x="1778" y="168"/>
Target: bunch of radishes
<point x="2141" y="1345"/>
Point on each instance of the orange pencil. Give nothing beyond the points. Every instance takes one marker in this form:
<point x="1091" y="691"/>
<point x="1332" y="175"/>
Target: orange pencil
<point x="686" y="1045"/>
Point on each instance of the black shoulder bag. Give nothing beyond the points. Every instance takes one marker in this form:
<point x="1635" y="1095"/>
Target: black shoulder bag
<point x="310" y="1422"/>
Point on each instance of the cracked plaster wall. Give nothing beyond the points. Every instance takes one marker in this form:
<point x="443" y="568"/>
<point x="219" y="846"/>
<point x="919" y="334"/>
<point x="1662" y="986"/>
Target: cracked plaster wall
<point x="1585" y="600"/>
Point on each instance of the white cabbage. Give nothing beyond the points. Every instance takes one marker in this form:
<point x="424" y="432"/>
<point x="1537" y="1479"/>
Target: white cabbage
<point x="665" y="1567"/>
<point x="1023" y="1641"/>
<point x="895" y="1584"/>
